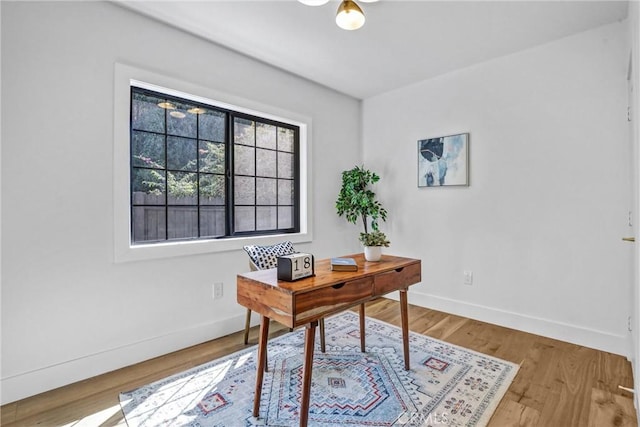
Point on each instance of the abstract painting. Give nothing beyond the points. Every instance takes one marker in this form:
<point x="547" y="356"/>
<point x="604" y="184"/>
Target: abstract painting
<point x="443" y="161"/>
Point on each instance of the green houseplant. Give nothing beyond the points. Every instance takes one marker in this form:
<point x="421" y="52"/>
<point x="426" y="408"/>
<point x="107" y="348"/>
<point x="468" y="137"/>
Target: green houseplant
<point x="374" y="238"/>
<point x="356" y="201"/>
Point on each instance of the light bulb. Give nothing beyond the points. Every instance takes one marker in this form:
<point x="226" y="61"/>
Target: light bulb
<point x="350" y="16"/>
<point x="314" y="2"/>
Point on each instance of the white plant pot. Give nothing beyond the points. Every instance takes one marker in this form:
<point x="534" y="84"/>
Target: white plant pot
<point x="372" y="253"/>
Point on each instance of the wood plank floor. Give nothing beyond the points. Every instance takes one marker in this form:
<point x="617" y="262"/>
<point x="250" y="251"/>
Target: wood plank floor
<point x="558" y="385"/>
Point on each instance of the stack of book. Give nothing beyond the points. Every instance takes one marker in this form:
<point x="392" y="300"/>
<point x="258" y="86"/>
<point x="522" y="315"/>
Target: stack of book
<point x="344" y="264"/>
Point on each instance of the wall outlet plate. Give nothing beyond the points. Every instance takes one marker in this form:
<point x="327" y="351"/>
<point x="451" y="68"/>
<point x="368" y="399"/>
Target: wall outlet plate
<point x="217" y="290"/>
<point x="468" y="277"/>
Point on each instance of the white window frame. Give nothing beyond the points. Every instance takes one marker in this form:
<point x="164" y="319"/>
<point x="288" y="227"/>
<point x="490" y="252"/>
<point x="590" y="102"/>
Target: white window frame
<point x="124" y="250"/>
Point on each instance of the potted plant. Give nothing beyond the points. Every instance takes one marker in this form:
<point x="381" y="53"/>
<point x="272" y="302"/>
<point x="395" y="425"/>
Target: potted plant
<point x="356" y="202"/>
<point x="373" y="243"/>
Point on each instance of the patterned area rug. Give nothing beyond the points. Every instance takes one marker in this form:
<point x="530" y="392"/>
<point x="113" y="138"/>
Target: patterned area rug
<point x="446" y="385"/>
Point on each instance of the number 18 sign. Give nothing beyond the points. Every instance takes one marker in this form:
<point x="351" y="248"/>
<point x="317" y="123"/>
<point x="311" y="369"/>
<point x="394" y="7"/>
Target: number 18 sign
<point x="295" y="266"/>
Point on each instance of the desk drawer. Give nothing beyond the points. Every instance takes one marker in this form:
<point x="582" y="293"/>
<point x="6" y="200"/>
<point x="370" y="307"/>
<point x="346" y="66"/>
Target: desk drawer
<point x="397" y="279"/>
<point x="330" y="299"/>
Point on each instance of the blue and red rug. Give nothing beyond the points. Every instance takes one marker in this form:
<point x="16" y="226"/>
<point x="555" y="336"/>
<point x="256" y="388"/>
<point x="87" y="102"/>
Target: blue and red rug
<point x="447" y="385"/>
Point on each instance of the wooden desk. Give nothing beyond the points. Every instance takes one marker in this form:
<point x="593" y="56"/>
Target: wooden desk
<point x="306" y="301"/>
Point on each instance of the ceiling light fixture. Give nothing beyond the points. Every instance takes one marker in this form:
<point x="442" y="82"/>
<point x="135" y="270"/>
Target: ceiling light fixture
<point x="178" y="114"/>
<point x="349" y="16"/>
<point x="166" y="105"/>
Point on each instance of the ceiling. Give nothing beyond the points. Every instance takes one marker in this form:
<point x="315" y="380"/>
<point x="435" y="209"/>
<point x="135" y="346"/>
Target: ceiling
<point x="402" y="42"/>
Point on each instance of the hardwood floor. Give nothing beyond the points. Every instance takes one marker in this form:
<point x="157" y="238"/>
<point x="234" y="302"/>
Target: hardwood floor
<point x="558" y="385"/>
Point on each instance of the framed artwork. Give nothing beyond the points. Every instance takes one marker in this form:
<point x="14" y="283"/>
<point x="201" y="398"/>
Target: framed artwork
<point x="443" y="161"/>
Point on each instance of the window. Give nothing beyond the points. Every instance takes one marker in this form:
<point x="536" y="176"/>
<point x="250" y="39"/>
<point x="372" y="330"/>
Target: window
<point x="200" y="171"/>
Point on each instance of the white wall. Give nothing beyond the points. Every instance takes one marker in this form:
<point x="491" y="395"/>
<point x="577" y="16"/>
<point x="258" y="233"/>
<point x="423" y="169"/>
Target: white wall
<point x="540" y="224"/>
<point x="68" y="310"/>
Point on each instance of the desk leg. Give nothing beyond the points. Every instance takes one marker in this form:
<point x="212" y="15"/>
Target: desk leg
<point x="362" y="333"/>
<point x="262" y="359"/>
<point x="309" y="342"/>
<point x="404" y="315"/>
<point x="323" y="345"/>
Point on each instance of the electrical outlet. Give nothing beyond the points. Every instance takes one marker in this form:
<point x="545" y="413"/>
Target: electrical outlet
<point x="468" y="277"/>
<point x="217" y="290"/>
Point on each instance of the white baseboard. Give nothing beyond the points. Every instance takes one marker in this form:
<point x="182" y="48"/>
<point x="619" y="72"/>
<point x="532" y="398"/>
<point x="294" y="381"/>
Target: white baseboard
<point x="20" y="386"/>
<point x="592" y="338"/>
<point x="25" y="384"/>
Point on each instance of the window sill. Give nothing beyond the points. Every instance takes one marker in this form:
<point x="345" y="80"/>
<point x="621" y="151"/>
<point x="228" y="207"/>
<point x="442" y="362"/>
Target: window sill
<point x="128" y="252"/>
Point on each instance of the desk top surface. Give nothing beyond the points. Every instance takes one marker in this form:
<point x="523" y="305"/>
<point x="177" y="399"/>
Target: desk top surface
<point x="325" y="277"/>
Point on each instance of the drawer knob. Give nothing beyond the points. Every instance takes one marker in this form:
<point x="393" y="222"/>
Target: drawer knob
<point x="398" y="270"/>
<point x="338" y="286"/>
